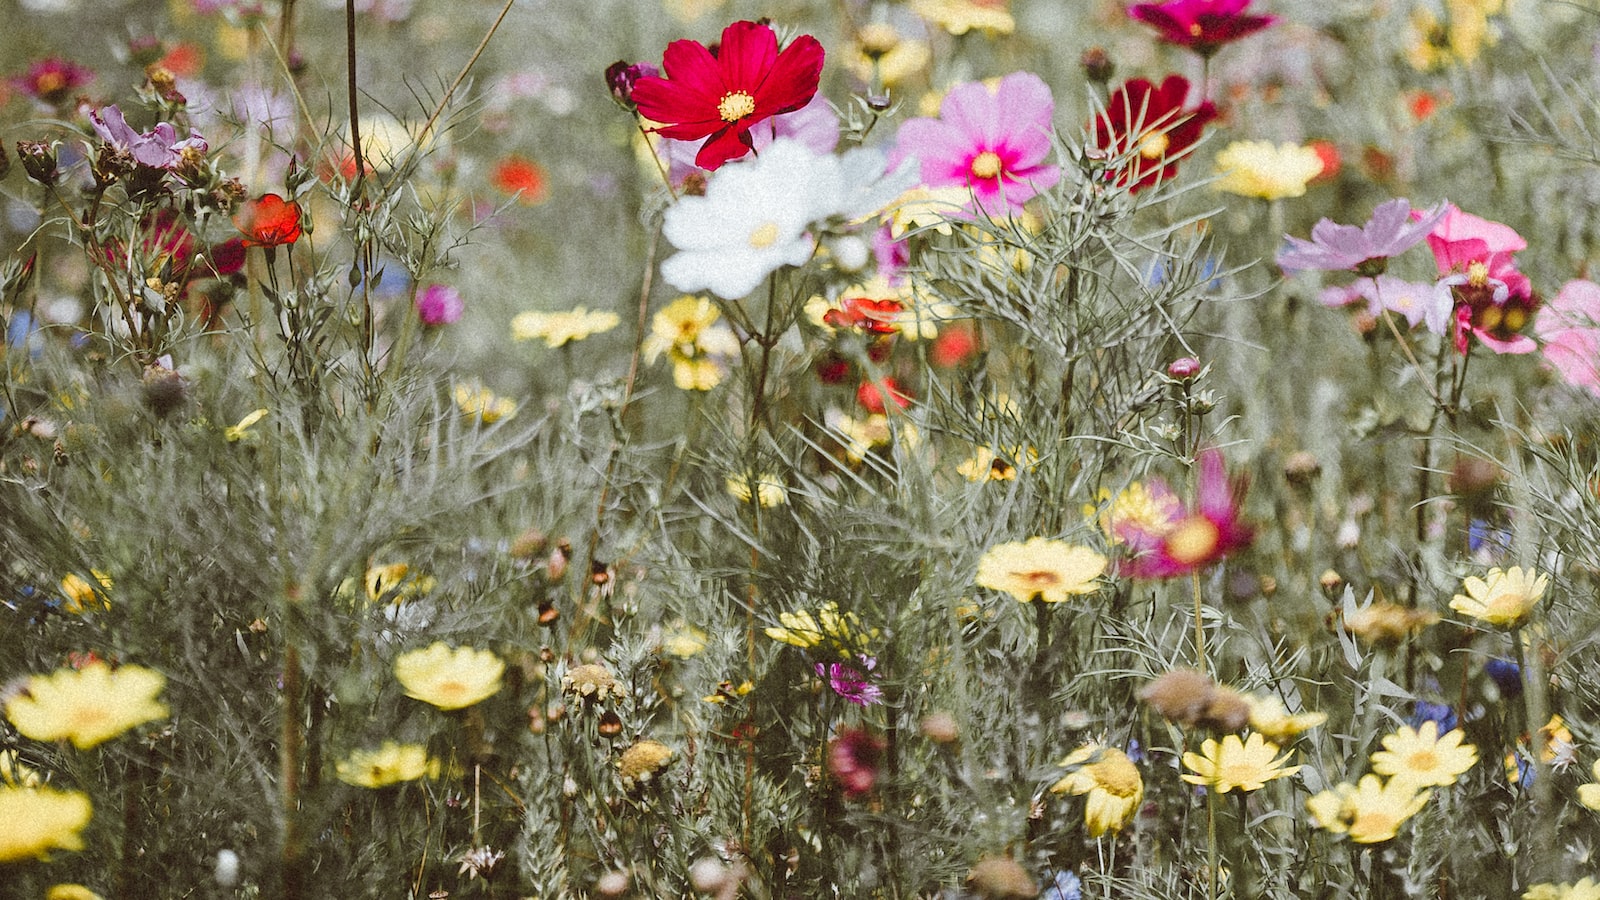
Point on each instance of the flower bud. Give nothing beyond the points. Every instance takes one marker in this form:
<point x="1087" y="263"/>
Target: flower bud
<point x="1097" y="65"/>
<point x="1184" y="368"/>
<point x="39" y="161"/>
<point x="621" y="76"/>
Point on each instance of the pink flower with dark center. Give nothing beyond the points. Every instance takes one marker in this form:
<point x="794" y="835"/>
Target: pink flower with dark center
<point x="1188" y="539"/>
<point x="1493" y="300"/>
<point x="995" y="142"/>
<point x="720" y="96"/>
<point x="1363" y="249"/>
<point x="1201" y="25"/>
<point x="1569" y="328"/>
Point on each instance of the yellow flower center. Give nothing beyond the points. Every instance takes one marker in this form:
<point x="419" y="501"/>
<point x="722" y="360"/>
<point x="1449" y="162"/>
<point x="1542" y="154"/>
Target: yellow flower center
<point x="1193" y="540"/>
<point x="1154" y="144"/>
<point x="1194" y="29"/>
<point x="89" y="719"/>
<point x="1477" y="274"/>
<point x="1422" y="761"/>
<point x="736" y="105"/>
<point x="765" y="236"/>
<point x="50" y="82"/>
<point x="986" y="165"/>
<point x="1372" y="823"/>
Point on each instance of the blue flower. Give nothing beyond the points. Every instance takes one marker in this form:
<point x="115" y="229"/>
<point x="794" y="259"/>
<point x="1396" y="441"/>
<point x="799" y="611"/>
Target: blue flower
<point x="22" y="331"/>
<point x="1506" y="675"/>
<point x="1428" y="711"/>
<point x="1064" y="886"/>
<point x="1481" y="536"/>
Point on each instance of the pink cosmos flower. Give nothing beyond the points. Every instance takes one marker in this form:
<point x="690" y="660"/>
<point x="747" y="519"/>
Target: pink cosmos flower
<point x="850" y="684"/>
<point x="1430" y="304"/>
<point x="994" y="142"/>
<point x="1201" y="25"/>
<point x="158" y="148"/>
<point x="1569" y="327"/>
<point x="52" y="80"/>
<point x="1190" y="538"/>
<point x="1493" y="301"/>
<point x="439" y="304"/>
<point x="720" y="96"/>
<point x="1363" y="249"/>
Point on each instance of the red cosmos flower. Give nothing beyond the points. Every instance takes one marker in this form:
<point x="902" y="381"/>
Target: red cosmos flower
<point x="520" y="176"/>
<point x="268" y="221"/>
<point x="1201" y="25"/>
<point x="720" y="95"/>
<point x="52" y="80"/>
<point x="1148" y="125"/>
<point x="1187" y="539"/>
<point x="865" y="313"/>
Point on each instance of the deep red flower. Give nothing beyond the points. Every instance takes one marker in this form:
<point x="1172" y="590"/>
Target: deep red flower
<point x="854" y="758"/>
<point x="269" y="221"/>
<point x="719" y="96"/>
<point x="1201" y="25"/>
<point x="52" y="80"/>
<point x="1147" y="129"/>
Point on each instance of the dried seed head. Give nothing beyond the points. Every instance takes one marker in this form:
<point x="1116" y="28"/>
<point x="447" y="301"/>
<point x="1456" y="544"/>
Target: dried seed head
<point x="1001" y="878"/>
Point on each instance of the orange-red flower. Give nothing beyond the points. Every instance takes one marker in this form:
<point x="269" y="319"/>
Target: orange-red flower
<point x="520" y="176"/>
<point x="269" y="221"/>
<point x="719" y="96"/>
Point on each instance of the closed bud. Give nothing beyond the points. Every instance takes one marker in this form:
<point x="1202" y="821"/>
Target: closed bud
<point x="1097" y="65"/>
<point x="39" y="161"/>
<point x="621" y="76"/>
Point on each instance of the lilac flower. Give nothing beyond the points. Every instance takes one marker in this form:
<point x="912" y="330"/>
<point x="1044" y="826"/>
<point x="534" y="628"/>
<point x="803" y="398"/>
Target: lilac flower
<point x="851" y="684"/>
<point x="439" y="304"/>
<point x="158" y="148"/>
<point x="1429" y="304"/>
<point x="1364" y="249"/>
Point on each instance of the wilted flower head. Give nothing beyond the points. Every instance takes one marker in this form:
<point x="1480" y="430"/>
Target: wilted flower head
<point x="158" y="148"/>
<point x="621" y="76"/>
<point x="1001" y="878"/>
<point x="592" y="683"/>
<point x="1191" y="698"/>
<point x="1383" y="623"/>
<point x="642" y="763"/>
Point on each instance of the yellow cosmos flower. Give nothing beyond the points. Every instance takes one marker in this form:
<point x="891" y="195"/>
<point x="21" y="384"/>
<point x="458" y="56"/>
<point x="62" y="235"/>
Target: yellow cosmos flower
<point x="841" y="631"/>
<point x="558" y="328"/>
<point x="1370" y="812"/>
<point x="391" y="763"/>
<point x="1585" y="889"/>
<point x="241" y="431"/>
<point x="1109" y="780"/>
<point x="396" y="583"/>
<point x="688" y="331"/>
<point x="1422" y="758"/>
<point x="1504" y="598"/>
<point x="1246" y="765"/>
<point x="1135" y="506"/>
<point x="78" y="594"/>
<point x="87" y="706"/>
<point x="39" y="820"/>
<point x="448" y="678"/>
<point x="768" y="489"/>
<point x="897" y="57"/>
<point x="1269" y="716"/>
<point x="992" y="17"/>
<point x="1266" y="170"/>
<point x="483" y="404"/>
<point x="1039" y="567"/>
<point x="986" y="464"/>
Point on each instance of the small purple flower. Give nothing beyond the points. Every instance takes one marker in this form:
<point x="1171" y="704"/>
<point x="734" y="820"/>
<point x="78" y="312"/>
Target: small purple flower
<point x="1364" y="249"/>
<point x="851" y="684"/>
<point x="439" y="304"/>
<point x="158" y="148"/>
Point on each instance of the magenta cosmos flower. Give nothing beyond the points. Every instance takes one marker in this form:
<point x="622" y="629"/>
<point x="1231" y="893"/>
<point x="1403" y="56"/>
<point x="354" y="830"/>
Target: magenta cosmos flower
<point x="1201" y="25"/>
<point x="1188" y="539"/>
<point x="718" y="96"/>
<point x="52" y="80"/>
<point x="850" y="684"/>
<point x="1147" y="129"/>
<point x="1493" y="300"/>
<point x="439" y="304"/>
<point x="1363" y="249"/>
<point x="1569" y="327"/>
<point x="994" y="141"/>
<point x="158" y="148"/>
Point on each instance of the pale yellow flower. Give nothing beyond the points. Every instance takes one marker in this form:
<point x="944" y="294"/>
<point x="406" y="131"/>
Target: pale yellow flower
<point x="87" y="706"/>
<point x="1433" y="44"/>
<point x="38" y="820"/>
<point x="78" y="594"/>
<point x="241" y="431"/>
<point x="1269" y="716"/>
<point x="992" y="17"/>
<point x="558" y="328"/>
<point x="14" y="773"/>
<point x="769" y="490"/>
<point x="927" y="207"/>
<point x="1266" y="170"/>
<point x="1111" y="782"/>
<point x="391" y="763"/>
<point x="483" y="404"/>
<point x="1424" y="758"/>
<point x="898" y="57"/>
<point x="396" y="583"/>
<point x="1246" y="765"/>
<point x="1502" y="597"/>
<point x="1370" y="812"/>
<point x="1385" y="624"/>
<point x="689" y="332"/>
<point x="1135" y="506"/>
<point x="683" y="640"/>
<point x="1043" y="568"/>
<point x="592" y="683"/>
<point x="1584" y="889"/>
<point x="1589" y="794"/>
<point x="841" y="631"/>
<point x="986" y="465"/>
<point x="449" y="678"/>
<point x="71" y="892"/>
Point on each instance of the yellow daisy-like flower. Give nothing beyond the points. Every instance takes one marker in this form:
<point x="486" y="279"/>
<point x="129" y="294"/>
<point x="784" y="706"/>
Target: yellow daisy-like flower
<point x="987" y="465"/>
<point x="483" y="404"/>
<point x="1421" y="757"/>
<point x="769" y="490"/>
<point x="1136" y="507"/>
<point x="992" y="17"/>
<point x="1385" y="624"/>
<point x="241" y="431"/>
<point x="78" y="594"/>
<point x="396" y="583"/>
<point x="1111" y="782"/>
<point x="1039" y="567"/>
<point x="1585" y="889"/>
<point x="558" y="328"/>
<point x="1370" y="812"/>
<point x="642" y="763"/>
<point x="1503" y="598"/>
<point x="39" y="820"/>
<point x="683" y="640"/>
<point x="449" y="678"/>
<point x="1434" y="44"/>
<point x="87" y="706"/>
<point x="71" y="892"/>
<point x="928" y="207"/>
<point x="391" y="763"/>
<point x="688" y="331"/>
<point x="1246" y="765"/>
<point x="842" y="631"/>
<point x="1266" y="170"/>
<point x="14" y="773"/>
<point x="898" y="58"/>
<point x="1269" y="716"/>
